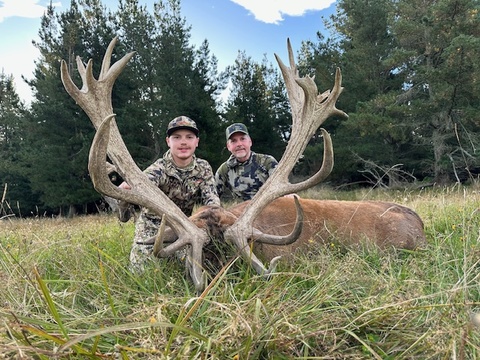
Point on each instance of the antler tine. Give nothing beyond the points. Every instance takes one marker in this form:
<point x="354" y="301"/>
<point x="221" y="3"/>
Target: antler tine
<point x="303" y="96"/>
<point x="107" y="59"/>
<point x="289" y="75"/>
<point x="308" y="121"/>
<point x="67" y="81"/>
<point x="325" y="169"/>
<point x="89" y="78"/>
<point x="291" y="58"/>
<point x="335" y="93"/>
<point x="283" y="240"/>
<point x="309" y="111"/>
<point x="81" y="70"/>
<point x="94" y="91"/>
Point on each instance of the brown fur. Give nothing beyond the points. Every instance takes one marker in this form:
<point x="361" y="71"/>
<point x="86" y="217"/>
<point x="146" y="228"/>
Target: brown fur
<point x="325" y="221"/>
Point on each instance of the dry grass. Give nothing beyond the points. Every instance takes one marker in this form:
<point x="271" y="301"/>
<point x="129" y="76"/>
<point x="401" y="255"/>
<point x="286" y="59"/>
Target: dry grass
<point x="66" y="292"/>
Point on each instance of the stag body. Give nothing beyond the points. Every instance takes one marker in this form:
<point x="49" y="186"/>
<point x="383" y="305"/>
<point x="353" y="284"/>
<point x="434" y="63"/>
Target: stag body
<point x="347" y="223"/>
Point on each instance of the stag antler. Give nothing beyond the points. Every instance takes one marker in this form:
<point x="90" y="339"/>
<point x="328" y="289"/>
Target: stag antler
<point x="309" y="111"/>
<point x="95" y="99"/>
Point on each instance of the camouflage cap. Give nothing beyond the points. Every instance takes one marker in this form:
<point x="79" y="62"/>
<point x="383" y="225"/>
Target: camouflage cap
<point x="182" y="122"/>
<point x="237" y="127"/>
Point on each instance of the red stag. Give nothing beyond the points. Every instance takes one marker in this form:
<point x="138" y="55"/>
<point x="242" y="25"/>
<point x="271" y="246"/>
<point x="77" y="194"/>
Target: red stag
<point x="273" y="222"/>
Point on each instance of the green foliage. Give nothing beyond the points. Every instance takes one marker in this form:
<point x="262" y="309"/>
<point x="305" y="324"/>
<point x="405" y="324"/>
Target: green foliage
<point x="365" y="43"/>
<point x="59" y="136"/>
<point x="18" y="196"/>
<point x="410" y="79"/>
<point x="433" y="39"/>
<point x="66" y="292"/>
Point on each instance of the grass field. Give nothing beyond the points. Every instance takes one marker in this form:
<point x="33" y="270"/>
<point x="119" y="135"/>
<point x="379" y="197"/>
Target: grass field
<point x="66" y="292"/>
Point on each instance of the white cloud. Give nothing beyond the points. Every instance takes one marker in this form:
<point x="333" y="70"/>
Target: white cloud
<point x="17" y="53"/>
<point x="272" y="11"/>
<point x="20" y="8"/>
<point x="17" y="65"/>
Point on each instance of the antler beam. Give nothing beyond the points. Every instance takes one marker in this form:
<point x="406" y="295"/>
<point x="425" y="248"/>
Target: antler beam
<point x="95" y="99"/>
<point x="309" y="111"/>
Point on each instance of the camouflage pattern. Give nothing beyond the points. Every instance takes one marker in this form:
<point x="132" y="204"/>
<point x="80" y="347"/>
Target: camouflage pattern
<point x="243" y="180"/>
<point x="182" y="122"/>
<point x="186" y="187"/>
<point x="140" y="255"/>
<point x="237" y="127"/>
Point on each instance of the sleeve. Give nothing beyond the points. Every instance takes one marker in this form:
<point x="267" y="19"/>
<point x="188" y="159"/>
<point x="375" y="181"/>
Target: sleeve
<point x="221" y="179"/>
<point x="208" y="188"/>
<point x="271" y="164"/>
<point x="156" y="172"/>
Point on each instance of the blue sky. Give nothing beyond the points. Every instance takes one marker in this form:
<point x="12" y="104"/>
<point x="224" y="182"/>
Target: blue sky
<point x="258" y="27"/>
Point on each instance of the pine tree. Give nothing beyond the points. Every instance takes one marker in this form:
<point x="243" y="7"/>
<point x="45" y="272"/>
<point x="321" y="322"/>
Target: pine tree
<point x="373" y="134"/>
<point x="16" y="193"/>
<point x="440" y="47"/>
<point x="185" y="78"/>
<point x="206" y="102"/>
<point x="59" y="131"/>
<point x="411" y="89"/>
<point x="135" y="97"/>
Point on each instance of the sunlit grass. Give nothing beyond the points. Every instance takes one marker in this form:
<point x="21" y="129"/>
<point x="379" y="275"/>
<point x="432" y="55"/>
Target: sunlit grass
<point x="65" y="291"/>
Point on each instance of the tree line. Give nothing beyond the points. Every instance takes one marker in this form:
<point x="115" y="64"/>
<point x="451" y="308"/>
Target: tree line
<point x="410" y="73"/>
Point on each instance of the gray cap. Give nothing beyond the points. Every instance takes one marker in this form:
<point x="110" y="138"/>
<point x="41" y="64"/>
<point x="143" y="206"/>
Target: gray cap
<point x="182" y="122"/>
<point x="237" y="127"/>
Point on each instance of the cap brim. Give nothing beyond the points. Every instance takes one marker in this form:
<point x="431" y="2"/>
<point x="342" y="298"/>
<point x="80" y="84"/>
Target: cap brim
<point x="171" y="131"/>
<point x="237" y="131"/>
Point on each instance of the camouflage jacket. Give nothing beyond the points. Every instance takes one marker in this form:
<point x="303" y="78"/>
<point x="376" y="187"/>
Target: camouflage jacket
<point x="186" y="187"/>
<point x="243" y="180"/>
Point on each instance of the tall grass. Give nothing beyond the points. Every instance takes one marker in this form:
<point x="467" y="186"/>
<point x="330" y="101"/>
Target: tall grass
<point x="66" y="292"/>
